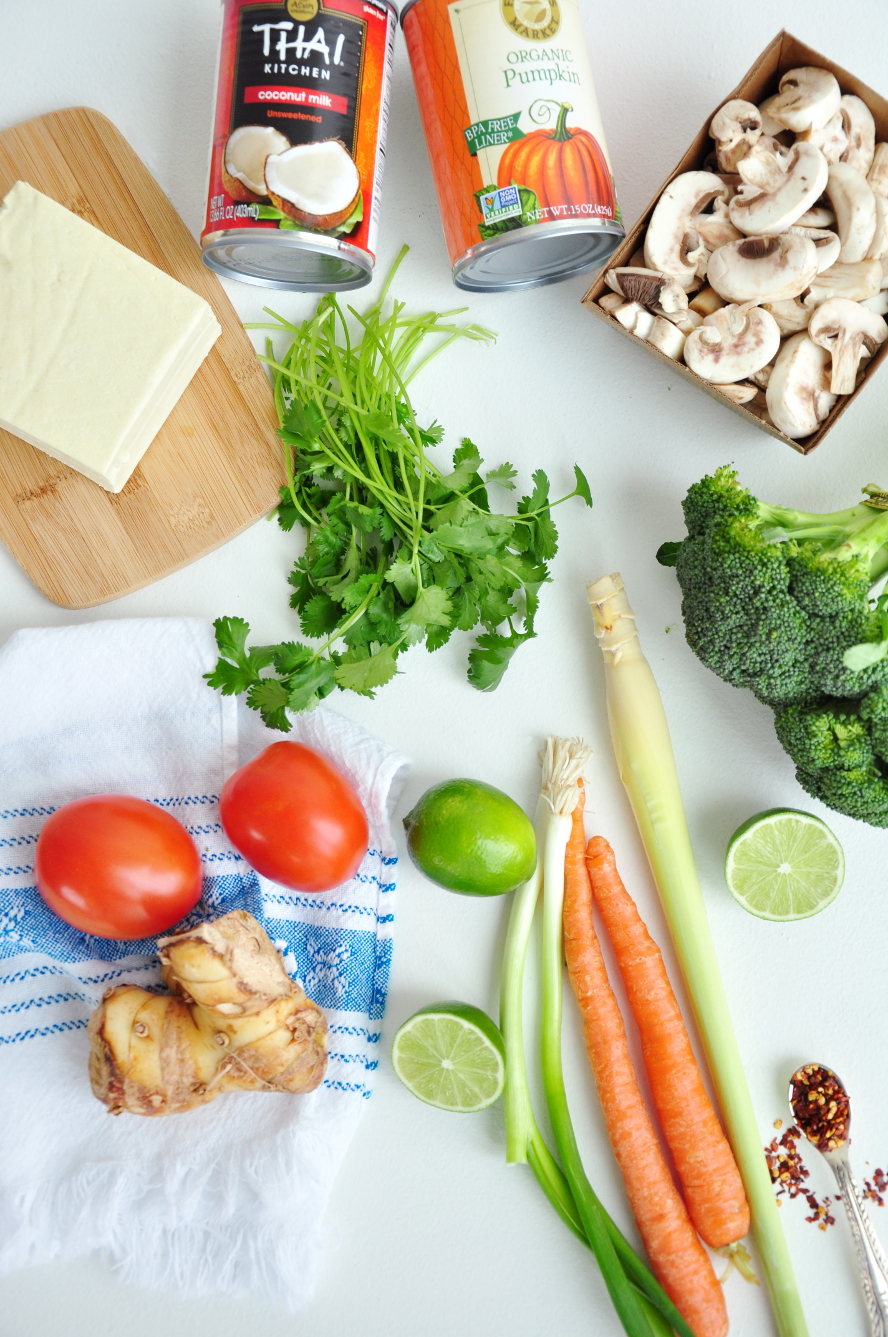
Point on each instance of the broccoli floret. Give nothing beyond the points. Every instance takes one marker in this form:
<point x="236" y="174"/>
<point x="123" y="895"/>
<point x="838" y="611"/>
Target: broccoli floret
<point x="833" y="745"/>
<point x="772" y="597"/>
<point x="778" y="600"/>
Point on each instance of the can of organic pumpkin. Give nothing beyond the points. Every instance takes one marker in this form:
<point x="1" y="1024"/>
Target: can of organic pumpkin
<point x="299" y="142"/>
<point x="515" y="139"/>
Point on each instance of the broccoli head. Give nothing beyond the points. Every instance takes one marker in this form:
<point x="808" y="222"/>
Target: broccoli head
<point x="779" y="601"/>
<point x="774" y="597"/>
<point x="840" y="749"/>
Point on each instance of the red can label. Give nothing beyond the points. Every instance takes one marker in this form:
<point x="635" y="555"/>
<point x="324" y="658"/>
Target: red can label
<point x="301" y="111"/>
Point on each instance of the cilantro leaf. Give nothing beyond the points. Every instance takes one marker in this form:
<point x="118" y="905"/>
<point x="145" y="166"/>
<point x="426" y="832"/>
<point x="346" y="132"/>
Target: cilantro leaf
<point x="403" y="577"/>
<point x="490" y="658"/>
<point x="269" y="696"/>
<point x="502" y="474"/>
<point x="432" y="608"/>
<point x="361" y="673"/>
<point x="320" y="615"/>
<point x="582" y="489"/>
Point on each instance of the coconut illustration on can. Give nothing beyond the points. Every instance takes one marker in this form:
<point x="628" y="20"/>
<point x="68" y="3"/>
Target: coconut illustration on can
<point x="243" y="161"/>
<point x="299" y="143"/>
<point x="515" y="139"/>
<point x="317" y="185"/>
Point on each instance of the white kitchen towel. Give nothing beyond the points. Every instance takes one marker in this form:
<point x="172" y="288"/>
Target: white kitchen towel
<point x="230" y="1197"/>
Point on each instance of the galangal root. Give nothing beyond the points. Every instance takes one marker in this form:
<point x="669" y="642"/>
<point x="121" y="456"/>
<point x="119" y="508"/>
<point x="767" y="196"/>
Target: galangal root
<point x="233" y="1020"/>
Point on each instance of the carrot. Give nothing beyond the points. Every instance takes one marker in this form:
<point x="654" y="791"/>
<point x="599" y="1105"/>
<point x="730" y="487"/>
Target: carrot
<point x="678" y="1259"/>
<point x="704" y="1162"/>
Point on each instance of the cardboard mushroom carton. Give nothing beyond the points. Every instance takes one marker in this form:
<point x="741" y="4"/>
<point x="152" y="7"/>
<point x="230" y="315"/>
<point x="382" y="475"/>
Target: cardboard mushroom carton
<point x="784" y="53"/>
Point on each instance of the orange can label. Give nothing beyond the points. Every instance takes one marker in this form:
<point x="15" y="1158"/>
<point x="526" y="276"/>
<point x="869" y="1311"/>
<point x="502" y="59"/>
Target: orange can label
<point x="510" y="115"/>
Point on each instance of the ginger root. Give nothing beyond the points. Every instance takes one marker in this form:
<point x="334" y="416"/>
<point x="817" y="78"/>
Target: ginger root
<point x="233" y="1020"/>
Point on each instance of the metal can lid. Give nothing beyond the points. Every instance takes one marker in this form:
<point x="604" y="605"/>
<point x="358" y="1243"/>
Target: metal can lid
<point x="404" y="8"/>
<point x="296" y="261"/>
<point x="532" y="256"/>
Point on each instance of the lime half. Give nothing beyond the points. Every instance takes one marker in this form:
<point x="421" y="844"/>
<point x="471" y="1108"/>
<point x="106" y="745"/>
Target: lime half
<point x="784" y="865"/>
<point x="451" y="1055"/>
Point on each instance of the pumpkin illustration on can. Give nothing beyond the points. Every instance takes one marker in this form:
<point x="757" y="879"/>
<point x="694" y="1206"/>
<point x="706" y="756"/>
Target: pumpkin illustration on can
<point x="563" y="166"/>
<point x="512" y="169"/>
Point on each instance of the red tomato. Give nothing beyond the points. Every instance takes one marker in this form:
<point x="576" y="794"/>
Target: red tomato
<point x="295" y="818"/>
<point x="117" y="867"/>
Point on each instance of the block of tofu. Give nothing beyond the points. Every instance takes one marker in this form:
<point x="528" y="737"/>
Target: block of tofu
<point x="96" y="344"/>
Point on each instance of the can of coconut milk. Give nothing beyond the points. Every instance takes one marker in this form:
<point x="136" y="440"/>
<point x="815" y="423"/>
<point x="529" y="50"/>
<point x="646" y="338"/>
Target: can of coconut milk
<point x="515" y="139"/>
<point x="299" y="142"/>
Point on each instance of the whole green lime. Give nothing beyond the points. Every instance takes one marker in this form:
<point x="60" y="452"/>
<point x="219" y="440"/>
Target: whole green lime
<point x="469" y="837"/>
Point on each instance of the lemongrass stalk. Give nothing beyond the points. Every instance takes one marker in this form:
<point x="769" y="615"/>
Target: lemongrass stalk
<point x="563" y="762"/>
<point x="646" y="764"/>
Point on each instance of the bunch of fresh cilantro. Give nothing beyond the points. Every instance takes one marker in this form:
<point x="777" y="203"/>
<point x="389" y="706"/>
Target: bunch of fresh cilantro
<point x="397" y="552"/>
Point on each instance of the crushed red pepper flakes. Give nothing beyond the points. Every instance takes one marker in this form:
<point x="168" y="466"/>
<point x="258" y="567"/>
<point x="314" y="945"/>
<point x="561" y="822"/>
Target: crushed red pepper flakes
<point x="821" y="1106"/>
<point x="789" y="1172"/>
<point x="876" y="1188"/>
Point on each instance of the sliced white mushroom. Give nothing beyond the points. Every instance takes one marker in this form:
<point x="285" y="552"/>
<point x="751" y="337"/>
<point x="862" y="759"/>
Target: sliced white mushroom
<point x="741" y="393"/>
<point x="658" y="292"/>
<point x="715" y="229"/>
<point x="856" y="281"/>
<point x="770" y="125"/>
<point x="797" y="395"/>
<point x="855" y="206"/>
<point x="764" y="166"/>
<point x="826" y="244"/>
<point x="877" y="176"/>
<point x="773" y="211"/>
<point x="667" y="337"/>
<point x="684" y="320"/>
<point x="879" y="243"/>
<point x="735" y="128"/>
<point x="879" y="303"/>
<point x="763" y="269"/>
<point x="849" y="333"/>
<point x="791" y="315"/>
<point x="664" y="245"/>
<point x="831" y="139"/>
<point x="817" y="216"/>
<point x="807" y="98"/>
<point x="635" y="318"/>
<point x="706" y="301"/>
<point x="762" y="376"/>
<point x="610" y="301"/>
<point x="731" y="343"/>
<point x="860" y="129"/>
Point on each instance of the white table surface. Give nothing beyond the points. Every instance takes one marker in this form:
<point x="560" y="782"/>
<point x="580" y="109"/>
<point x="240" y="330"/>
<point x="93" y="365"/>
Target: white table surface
<point x="436" y="1235"/>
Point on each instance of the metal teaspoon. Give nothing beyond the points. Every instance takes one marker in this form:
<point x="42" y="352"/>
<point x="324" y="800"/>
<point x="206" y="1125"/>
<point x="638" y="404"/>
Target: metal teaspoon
<point x="822" y="1110"/>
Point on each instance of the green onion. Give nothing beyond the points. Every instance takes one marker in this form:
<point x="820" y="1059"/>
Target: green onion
<point x="642" y="1304"/>
<point x="646" y="763"/>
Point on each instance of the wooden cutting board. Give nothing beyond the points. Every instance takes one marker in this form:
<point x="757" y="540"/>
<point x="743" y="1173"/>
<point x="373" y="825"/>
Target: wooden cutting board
<point x="215" y="466"/>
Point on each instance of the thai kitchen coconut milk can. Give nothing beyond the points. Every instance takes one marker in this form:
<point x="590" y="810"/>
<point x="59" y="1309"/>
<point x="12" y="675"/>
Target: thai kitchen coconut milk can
<point x="299" y="142"/>
<point x="515" y="139"/>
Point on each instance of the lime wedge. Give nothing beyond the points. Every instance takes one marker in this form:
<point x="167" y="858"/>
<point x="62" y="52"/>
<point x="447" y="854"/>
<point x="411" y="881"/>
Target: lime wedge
<point x="451" y="1056"/>
<point x="784" y="864"/>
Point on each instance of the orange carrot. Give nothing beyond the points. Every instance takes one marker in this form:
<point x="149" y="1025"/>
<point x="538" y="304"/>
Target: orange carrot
<point x="704" y="1162"/>
<point x="678" y="1259"/>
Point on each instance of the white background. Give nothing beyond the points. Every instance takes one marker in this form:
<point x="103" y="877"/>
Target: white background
<point x="437" y="1236"/>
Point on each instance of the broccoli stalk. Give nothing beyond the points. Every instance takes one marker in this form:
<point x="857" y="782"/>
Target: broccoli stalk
<point x="779" y="601"/>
